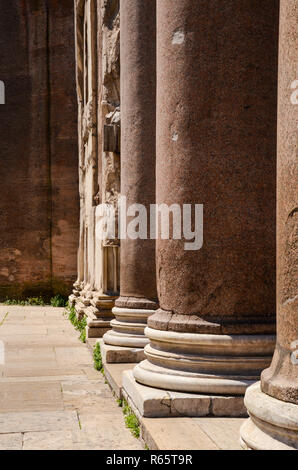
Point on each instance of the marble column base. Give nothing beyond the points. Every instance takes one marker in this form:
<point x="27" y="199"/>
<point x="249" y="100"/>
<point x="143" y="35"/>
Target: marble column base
<point x="82" y="303"/>
<point x="74" y="297"/>
<point x="126" y="339"/>
<point x="72" y="300"/>
<point x="121" y="354"/>
<point x="203" y="363"/>
<point x="273" y="424"/>
<point x="96" y="331"/>
<point x="97" y="308"/>
<point x="157" y="403"/>
<point x="79" y="308"/>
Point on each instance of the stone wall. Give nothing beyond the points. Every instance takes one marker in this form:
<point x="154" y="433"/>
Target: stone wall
<point x="38" y="152"/>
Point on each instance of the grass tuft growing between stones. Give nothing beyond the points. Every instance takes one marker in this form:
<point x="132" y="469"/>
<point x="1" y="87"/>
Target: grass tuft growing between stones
<point x="98" y="365"/>
<point x="59" y="301"/>
<point x="131" y="421"/>
<point x="79" y="325"/>
<point x="29" y="301"/>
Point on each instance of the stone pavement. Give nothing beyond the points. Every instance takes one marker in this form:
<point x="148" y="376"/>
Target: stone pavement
<point x="179" y="433"/>
<point x="51" y="398"/>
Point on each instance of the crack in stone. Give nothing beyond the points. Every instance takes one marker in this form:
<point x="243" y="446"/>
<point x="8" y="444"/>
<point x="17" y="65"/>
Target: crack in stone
<point x="5" y="316"/>
<point x="210" y="410"/>
<point x="174" y="409"/>
<point x="162" y="402"/>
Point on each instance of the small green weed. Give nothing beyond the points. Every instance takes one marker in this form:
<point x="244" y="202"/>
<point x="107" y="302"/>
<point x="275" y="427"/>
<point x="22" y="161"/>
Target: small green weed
<point x="98" y="365"/>
<point x="59" y="301"/>
<point x="131" y="421"/>
<point x="79" y="325"/>
<point x="29" y="301"/>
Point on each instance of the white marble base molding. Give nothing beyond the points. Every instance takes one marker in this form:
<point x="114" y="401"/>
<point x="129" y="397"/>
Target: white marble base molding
<point x="203" y="363"/>
<point x="156" y="403"/>
<point x="128" y="327"/>
<point x="97" y="308"/>
<point x="120" y="354"/>
<point x="273" y="424"/>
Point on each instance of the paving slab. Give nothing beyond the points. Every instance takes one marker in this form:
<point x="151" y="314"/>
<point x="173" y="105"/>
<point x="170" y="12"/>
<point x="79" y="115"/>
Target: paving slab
<point x="78" y="355"/>
<point x="10" y="329"/>
<point x="91" y="342"/>
<point x="51" y="397"/>
<point x="156" y="403"/>
<point x="54" y="378"/>
<point x="23" y="355"/>
<point x="119" y="354"/>
<point x="175" y="434"/>
<point x="114" y="375"/>
<point x="50" y="440"/>
<point x="30" y="341"/>
<point x="91" y="373"/>
<point x="82" y="383"/>
<point x="40" y="321"/>
<point x="97" y="402"/>
<point x="224" y="431"/>
<point x="54" y="330"/>
<point x="11" y="441"/>
<point x="80" y="440"/>
<point x="50" y="370"/>
<point x="3" y="317"/>
<point x="33" y="396"/>
<point x="16" y="422"/>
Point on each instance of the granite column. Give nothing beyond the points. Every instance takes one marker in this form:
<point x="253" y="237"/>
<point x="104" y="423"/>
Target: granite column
<point x="126" y="340"/>
<point x="216" y="118"/>
<point x="273" y="403"/>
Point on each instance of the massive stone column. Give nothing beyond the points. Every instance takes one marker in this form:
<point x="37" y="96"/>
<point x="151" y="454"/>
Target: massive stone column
<point x="216" y="114"/>
<point x="273" y="404"/>
<point x="138" y="88"/>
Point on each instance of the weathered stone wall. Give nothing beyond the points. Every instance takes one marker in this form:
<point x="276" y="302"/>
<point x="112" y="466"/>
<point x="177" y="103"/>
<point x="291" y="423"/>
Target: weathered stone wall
<point x="38" y="152"/>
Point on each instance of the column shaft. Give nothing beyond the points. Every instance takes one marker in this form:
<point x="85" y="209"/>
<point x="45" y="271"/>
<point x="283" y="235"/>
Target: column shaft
<point x="216" y="119"/>
<point x="138" y="97"/>
<point x="281" y="379"/>
<point x="273" y="407"/>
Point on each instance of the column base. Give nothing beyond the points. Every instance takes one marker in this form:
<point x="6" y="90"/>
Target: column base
<point x="182" y="381"/>
<point x="97" y="308"/>
<point x="152" y="402"/>
<point x="97" y="324"/>
<point x="121" y="354"/>
<point x="273" y="424"/>
<point x="96" y="331"/>
<point x="72" y="300"/>
<point x="204" y="363"/>
<point x="126" y="341"/>
<point x="74" y="297"/>
<point x="79" y="308"/>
